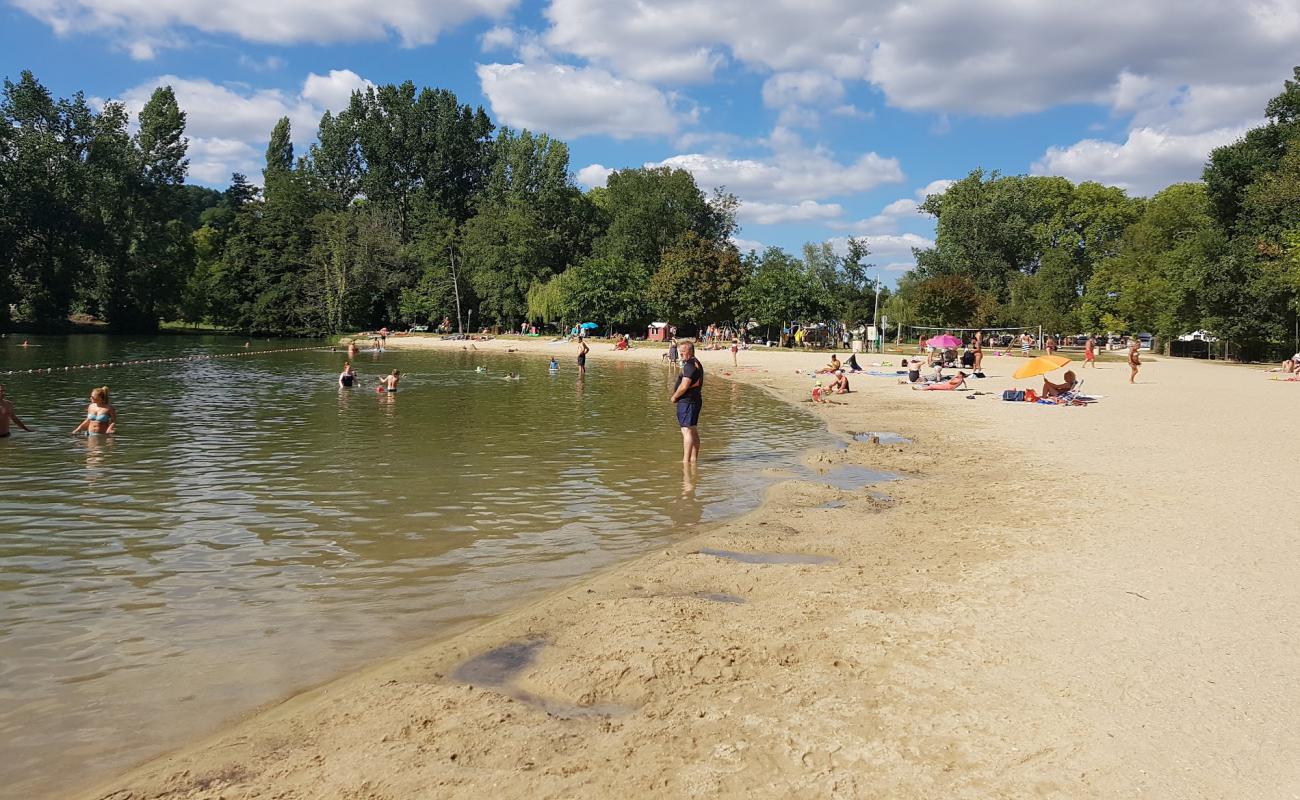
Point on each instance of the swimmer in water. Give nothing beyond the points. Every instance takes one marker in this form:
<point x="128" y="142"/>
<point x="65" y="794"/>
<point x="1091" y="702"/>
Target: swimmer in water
<point x="101" y="417"/>
<point x="7" y="415"/>
<point x="555" y="365"/>
<point x="389" y="383"/>
<point x="348" y="376"/>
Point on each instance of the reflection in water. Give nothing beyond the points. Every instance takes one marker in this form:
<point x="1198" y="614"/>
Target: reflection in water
<point x="257" y="529"/>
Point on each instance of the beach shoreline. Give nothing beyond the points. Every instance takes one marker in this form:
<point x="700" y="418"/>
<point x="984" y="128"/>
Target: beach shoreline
<point x="953" y="644"/>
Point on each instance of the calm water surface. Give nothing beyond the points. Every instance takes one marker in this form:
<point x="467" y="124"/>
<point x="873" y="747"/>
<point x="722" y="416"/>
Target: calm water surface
<point x="253" y="529"/>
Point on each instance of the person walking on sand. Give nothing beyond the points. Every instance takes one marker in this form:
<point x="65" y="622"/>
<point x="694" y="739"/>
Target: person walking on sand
<point x="1090" y="352"/>
<point x="1134" y="360"/>
<point x="7" y="415"/>
<point x="583" y="349"/>
<point x="1049" y="344"/>
<point x="979" y="351"/>
<point x="687" y="398"/>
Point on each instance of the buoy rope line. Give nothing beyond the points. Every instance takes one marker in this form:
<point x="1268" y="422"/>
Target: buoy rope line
<point x="173" y="360"/>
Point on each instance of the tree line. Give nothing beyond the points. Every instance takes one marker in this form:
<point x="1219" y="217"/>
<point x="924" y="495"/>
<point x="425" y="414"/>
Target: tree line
<point x="1221" y="255"/>
<point x="409" y="207"/>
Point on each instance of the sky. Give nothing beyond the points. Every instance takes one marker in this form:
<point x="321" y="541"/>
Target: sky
<point x="829" y="119"/>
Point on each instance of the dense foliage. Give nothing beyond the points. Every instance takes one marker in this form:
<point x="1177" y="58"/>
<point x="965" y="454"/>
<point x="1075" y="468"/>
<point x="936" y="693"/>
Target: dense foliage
<point x="1220" y="255"/>
<point x="411" y="207"/>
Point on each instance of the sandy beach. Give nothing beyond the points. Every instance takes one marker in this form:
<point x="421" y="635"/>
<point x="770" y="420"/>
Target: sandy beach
<point x="1051" y="602"/>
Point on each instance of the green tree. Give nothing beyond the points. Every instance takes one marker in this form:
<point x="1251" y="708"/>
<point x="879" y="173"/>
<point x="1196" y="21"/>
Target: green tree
<point x="697" y="281"/>
<point x="780" y="288"/>
<point x="651" y="209"/>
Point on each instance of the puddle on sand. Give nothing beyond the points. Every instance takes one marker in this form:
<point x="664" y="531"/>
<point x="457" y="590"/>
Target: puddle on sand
<point x="833" y="504"/>
<point x="496" y="668"/>
<point x="882" y="437"/>
<point x="848" y="477"/>
<point x="767" y="558"/>
<point x="719" y="597"/>
<point x="500" y="665"/>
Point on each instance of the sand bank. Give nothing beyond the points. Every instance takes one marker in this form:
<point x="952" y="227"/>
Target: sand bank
<point x="1059" y="602"/>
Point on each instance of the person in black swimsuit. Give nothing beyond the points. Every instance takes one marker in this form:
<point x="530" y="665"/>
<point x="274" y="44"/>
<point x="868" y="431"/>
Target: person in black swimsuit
<point x="688" y="400"/>
<point x="7" y="415"/>
<point x="583" y="349"/>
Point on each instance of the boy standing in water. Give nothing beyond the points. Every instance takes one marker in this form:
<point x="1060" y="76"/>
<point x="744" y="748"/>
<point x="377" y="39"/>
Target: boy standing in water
<point x="688" y="400"/>
<point x="7" y="414"/>
<point x="583" y="349"/>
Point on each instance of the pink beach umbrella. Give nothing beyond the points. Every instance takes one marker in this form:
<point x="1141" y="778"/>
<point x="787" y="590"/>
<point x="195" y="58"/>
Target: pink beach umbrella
<point x="944" y="342"/>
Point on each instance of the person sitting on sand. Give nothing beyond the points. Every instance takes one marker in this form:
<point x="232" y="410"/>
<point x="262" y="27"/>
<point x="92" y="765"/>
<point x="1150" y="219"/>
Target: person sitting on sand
<point x="852" y="363"/>
<point x="957" y="381"/>
<point x="968" y="358"/>
<point x="621" y="344"/>
<point x="840" y="384"/>
<point x="832" y="367"/>
<point x="1058" y="389"/>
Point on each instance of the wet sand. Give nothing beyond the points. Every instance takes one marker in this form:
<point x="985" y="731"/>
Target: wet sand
<point x="1054" y="602"/>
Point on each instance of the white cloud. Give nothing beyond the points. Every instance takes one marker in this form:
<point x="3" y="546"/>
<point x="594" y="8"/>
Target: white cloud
<point x="268" y="64"/>
<point x="576" y="101"/>
<point x="791" y="172"/>
<point x="228" y="124"/>
<point x="776" y="213"/>
<point x="593" y="175"/>
<point x="499" y="38"/>
<point x="801" y="88"/>
<point x="894" y="214"/>
<point x="934" y="187"/>
<point x="745" y="245"/>
<point x="682" y="40"/>
<point x="141" y="27"/>
<point x="1209" y="65"/>
<point x="333" y="91"/>
<point x="212" y="160"/>
<point x="891" y="252"/>
<point x="1147" y="161"/>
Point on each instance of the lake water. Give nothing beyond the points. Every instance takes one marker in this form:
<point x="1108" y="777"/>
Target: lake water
<point x="253" y="530"/>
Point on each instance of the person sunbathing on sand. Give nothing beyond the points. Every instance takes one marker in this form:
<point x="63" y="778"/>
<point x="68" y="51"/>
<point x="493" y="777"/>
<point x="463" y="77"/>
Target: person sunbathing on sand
<point x="1057" y="389"/>
<point x="832" y="367"/>
<point x="957" y="381"/>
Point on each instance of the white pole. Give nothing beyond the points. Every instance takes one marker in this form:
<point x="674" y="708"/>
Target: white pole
<point x="875" y="314"/>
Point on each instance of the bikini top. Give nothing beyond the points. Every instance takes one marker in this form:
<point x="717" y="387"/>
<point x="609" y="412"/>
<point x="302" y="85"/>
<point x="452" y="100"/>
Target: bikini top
<point x="100" y="417"/>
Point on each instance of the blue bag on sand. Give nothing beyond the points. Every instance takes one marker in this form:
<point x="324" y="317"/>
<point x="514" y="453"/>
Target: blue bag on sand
<point x="1014" y="395"/>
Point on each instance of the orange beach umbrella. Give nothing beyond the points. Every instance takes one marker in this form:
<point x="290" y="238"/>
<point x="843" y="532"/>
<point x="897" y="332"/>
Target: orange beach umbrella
<point x="1040" y="366"/>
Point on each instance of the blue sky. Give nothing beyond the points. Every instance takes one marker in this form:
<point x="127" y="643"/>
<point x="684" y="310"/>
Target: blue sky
<point x="828" y="118"/>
